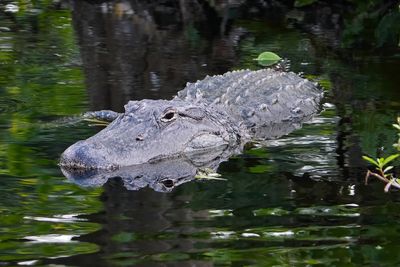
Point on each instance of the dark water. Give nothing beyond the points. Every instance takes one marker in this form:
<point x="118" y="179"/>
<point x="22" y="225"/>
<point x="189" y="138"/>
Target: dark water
<point x="298" y="201"/>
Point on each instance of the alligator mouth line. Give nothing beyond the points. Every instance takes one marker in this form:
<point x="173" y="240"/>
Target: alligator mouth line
<point x="78" y="166"/>
<point x="164" y="157"/>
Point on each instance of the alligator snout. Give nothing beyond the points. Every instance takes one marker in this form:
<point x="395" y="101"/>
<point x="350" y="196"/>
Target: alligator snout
<point x="84" y="156"/>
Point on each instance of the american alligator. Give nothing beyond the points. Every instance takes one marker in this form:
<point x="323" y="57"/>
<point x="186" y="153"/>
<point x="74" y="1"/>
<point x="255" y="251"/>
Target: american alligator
<point x="215" y="116"/>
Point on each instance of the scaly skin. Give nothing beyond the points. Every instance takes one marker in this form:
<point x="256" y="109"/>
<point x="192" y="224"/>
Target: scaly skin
<point x="215" y="116"/>
<point x="268" y="103"/>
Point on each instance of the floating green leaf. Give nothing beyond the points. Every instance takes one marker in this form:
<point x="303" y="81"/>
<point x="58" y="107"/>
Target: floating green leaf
<point x="268" y="58"/>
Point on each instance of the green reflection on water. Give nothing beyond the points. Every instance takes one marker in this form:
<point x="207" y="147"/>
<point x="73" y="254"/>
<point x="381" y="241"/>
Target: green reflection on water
<point x="39" y="81"/>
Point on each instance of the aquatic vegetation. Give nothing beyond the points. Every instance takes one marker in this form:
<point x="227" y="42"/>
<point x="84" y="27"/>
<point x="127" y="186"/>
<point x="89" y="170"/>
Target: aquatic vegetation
<point x="384" y="171"/>
<point x="268" y="59"/>
<point x="372" y="23"/>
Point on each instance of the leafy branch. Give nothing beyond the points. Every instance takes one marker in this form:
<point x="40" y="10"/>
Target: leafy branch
<point x="383" y="170"/>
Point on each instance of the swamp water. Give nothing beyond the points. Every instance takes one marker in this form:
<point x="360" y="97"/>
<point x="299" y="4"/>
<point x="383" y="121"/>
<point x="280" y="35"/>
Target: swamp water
<point x="298" y="201"/>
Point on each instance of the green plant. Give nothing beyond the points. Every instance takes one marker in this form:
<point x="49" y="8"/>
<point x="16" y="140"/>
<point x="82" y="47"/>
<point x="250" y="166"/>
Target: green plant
<point x="372" y="23"/>
<point x="268" y="59"/>
<point x="383" y="169"/>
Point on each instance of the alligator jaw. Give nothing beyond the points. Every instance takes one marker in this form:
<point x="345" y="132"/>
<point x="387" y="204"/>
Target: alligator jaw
<point x="79" y="166"/>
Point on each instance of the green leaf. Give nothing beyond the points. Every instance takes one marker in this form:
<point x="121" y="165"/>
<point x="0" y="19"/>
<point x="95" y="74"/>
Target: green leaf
<point x="301" y="3"/>
<point x="371" y="160"/>
<point x="267" y="63"/>
<point x="268" y="58"/>
<point x="380" y="162"/>
<point x="397" y="126"/>
<point x="389" y="159"/>
<point x="387" y="169"/>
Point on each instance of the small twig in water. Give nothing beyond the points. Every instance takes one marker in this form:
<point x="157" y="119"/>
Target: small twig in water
<point x="96" y="122"/>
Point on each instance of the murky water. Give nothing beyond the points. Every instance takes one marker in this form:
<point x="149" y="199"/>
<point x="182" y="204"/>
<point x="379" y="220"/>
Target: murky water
<point x="296" y="201"/>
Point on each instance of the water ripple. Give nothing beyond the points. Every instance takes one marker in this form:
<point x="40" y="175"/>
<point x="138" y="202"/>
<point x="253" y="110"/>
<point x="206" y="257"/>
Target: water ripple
<point x="65" y="218"/>
<point x="52" y="238"/>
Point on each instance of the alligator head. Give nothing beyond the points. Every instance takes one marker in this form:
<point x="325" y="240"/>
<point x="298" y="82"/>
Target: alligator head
<point x="151" y="130"/>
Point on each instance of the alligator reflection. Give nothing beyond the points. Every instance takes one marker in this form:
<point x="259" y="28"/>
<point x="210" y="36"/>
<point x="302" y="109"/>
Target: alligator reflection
<point x="162" y="176"/>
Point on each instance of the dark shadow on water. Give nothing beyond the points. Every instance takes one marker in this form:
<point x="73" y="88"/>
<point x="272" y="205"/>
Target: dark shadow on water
<point x="137" y="49"/>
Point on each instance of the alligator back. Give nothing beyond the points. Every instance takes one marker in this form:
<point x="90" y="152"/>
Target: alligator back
<point x="267" y="102"/>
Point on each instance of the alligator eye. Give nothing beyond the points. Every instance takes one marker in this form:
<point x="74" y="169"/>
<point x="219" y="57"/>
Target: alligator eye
<point x="169" y="116"/>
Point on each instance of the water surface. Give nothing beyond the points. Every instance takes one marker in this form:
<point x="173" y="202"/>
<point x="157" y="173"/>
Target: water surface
<point x="296" y="201"/>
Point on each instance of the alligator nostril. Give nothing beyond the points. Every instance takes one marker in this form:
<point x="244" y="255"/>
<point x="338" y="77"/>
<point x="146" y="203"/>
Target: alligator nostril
<point x="140" y="137"/>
